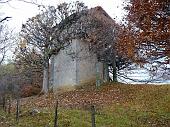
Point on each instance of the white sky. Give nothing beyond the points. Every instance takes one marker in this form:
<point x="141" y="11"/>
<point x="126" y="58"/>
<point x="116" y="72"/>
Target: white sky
<point x="20" y="11"/>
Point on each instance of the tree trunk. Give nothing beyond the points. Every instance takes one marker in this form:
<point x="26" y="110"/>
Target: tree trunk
<point x="45" y="87"/>
<point x="98" y="78"/>
<point x="106" y="72"/>
<point x="51" y="77"/>
<point x="114" y="67"/>
<point x="114" y="71"/>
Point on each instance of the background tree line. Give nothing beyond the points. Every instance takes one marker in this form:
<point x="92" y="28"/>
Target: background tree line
<point x="141" y="41"/>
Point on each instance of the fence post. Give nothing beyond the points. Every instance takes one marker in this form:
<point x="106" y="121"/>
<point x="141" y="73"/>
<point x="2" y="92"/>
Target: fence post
<point x="17" y="110"/>
<point x="56" y="115"/>
<point x="3" y="103"/>
<point x="9" y="106"/>
<point x="93" y="116"/>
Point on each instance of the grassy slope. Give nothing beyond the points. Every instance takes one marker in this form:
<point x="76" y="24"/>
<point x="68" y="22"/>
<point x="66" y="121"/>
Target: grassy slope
<point x="118" y="105"/>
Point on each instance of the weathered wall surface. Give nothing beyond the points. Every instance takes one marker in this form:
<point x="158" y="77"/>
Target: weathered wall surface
<point x="64" y="68"/>
<point x="75" y="65"/>
<point x="86" y="63"/>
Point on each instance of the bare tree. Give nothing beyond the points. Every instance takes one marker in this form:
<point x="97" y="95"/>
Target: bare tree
<point x="48" y="32"/>
<point x="5" y="40"/>
<point x="30" y="65"/>
<point x="26" y="1"/>
<point x="5" y="19"/>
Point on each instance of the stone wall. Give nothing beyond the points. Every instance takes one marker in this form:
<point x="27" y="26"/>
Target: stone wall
<point x="75" y="65"/>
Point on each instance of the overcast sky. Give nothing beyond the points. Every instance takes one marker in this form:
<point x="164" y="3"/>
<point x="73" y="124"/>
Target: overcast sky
<point x="20" y="11"/>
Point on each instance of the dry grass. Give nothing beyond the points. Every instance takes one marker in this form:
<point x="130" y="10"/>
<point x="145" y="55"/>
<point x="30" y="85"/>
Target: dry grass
<point x="117" y="105"/>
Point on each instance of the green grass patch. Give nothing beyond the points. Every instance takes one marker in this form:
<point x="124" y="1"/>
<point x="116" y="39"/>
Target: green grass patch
<point x="140" y="106"/>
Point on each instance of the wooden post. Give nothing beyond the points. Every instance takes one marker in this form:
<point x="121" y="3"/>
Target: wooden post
<point x="93" y="116"/>
<point x="4" y="103"/>
<point x="56" y="115"/>
<point x="9" y="106"/>
<point x="17" y="110"/>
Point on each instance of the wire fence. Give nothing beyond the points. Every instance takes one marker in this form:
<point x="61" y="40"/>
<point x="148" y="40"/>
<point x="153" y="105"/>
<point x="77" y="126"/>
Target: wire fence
<point x="88" y="116"/>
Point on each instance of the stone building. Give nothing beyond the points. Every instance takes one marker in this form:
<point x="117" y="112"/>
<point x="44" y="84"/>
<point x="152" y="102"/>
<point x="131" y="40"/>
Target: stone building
<point x="76" y="64"/>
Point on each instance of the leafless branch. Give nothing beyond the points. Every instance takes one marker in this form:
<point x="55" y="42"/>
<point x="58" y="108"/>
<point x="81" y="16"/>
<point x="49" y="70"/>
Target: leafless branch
<point x="6" y="18"/>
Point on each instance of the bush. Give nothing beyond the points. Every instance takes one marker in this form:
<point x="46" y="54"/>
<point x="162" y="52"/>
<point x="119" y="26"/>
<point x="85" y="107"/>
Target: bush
<point x="30" y="90"/>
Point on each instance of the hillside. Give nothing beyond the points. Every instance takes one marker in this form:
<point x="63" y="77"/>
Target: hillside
<point x="117" y="105"/>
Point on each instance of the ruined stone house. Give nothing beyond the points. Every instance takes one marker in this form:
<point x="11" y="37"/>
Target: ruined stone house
<point x="82" y="66"/>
